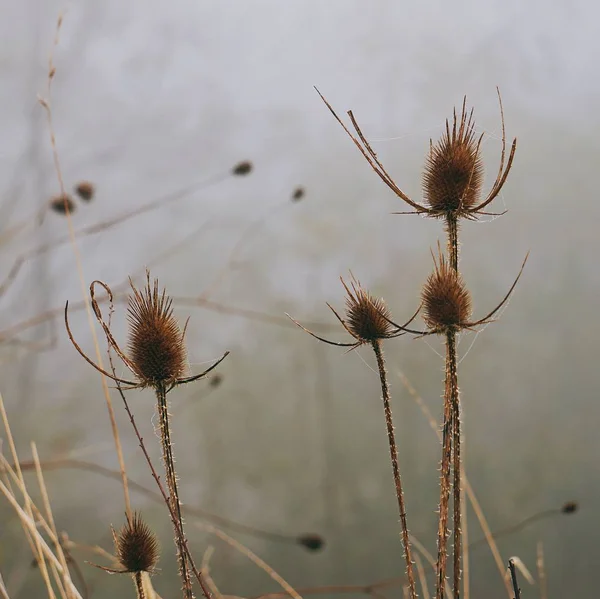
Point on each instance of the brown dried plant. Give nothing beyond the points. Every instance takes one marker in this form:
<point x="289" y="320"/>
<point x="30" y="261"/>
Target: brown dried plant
<point x="367" y="320"/>
<point x="452" y="188"/>
<point x="157" y="359"/>
<point x="137" y="551"/>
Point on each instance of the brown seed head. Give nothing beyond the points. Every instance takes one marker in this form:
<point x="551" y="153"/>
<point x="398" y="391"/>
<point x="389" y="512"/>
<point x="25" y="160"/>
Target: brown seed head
<point x="85" y="190"/>
<point x="242" y="168"/>
<point x="446" y="300"/>
<point x="366" y="315"/>
<point x="156" y="347"/>
<point x="453" y="174"/>
<point x="298" y="194"/>
<point x="570" y="507"/>
<point x="312" y="541"/>
<point x="137" y="547"/>
<point x="62" y="204"/>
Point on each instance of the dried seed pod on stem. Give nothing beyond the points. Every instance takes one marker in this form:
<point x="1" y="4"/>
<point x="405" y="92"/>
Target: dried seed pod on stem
<point x="157" y="359"/>
<point x="447" y="309"/>
<point x="136" y="550"/>
<point x="367" y="320"/>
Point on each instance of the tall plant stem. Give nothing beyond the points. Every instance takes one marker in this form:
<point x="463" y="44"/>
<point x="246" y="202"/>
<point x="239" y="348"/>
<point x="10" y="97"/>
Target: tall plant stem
<point x="444" y="485"/>
<point x="451" y="367"/>
<point x="385" y="391"/>
<point x="139" y="585"/>
<point x="165" y="437"/>
<point x="452" y="232"/>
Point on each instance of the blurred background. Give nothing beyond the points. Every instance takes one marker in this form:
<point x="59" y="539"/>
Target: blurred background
<point x="151" y="99"/>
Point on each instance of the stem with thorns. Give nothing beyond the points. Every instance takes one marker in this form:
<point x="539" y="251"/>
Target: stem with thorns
<point x="452" y="231"/>
<point x="165" y="437"/>
<point x="451" y="371"/>
<point x="444" y="482"/>
<point x="139" y="585"/>
<point x="385" y="390"/>
<point x="455" y="403"/>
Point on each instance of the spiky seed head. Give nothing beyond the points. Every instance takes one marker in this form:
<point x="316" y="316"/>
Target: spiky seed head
<point x="446" y="300"/>
<point x="453" y="174"/>
<point x="366" y="316"/>
<point x="570" y="507"/>
<point x="156" y="346"/>
<point x="136" y="546"/>
<point x="85" y="190"/>
<point x="62" y="204"/>
<point x="311" y="541"/>
<point x="242" y="168"/>
<point x="298" y="194"/>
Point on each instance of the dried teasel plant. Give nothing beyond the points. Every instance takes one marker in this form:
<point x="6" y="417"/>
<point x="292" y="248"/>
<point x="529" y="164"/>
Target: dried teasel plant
<point x="453" y="175"/>
<point x="367" y="320"/>
<point x="447" y="309"/>
<point x="452" y="190"/>
<point x="157" y="359"/>
<point x="137" y="551"/>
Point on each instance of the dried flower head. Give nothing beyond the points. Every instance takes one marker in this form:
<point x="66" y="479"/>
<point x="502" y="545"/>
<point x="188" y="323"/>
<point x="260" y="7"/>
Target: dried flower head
<point x="446" y="300"/>
<point x="136" y="546"/>
<point x="156" y="343"/>
<point x="312" y="541"/>
<point x="62" y="204"/>
<point x="215" y="380"/>
<point x="156" y="347"/>
<point x="367" y="318"/>
<point x="570" y="507"/>
<point x="453" y="174"/>
<point x="298" y="193"/>
<point x="242" y="168"/>
<point x="85" y="190"/>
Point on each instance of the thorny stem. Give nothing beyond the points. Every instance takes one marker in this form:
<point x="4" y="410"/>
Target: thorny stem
<point x="165" y="437"/>
<point x="452" y="231"/>
<point x="445" y="481"/>
<point x="455" y="402"/>
<point x="139" y="585"/>
<point x="385" y="390"/>
<point x="451" y="369"/>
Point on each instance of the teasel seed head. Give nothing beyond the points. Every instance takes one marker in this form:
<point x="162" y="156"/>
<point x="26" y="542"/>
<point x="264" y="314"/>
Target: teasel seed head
<point x="242" y="168"/>
<point x="62" y="204"/>
<point x="453" y="175"/>
<point x="447" y="304"/>
<point x="156" y="346"/>
<point x="312" y="541"/>
<point x="570" y="507"/>
<point x="367" y="317"/>
<point x="85" y="190"/>
<point x="137" y="547"/>
<point x="298" y="193"/>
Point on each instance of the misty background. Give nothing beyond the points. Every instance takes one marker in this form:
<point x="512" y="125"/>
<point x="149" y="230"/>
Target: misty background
<point x="153" y="97"/>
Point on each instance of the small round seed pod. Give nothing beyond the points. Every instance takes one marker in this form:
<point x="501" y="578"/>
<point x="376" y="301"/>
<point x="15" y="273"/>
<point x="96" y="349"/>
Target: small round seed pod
<point x="156" y="348"/>
<point x="453" y="174"/>
<point x="312" y="542"/>
<point x="570" y="507"/>
<point x="298" y="193"/>
<point x="446" y="300"/>
<point x="62" y="204"/>
<point x="85" y="190"/>
<point x="242" y="168"/>
<point x="367" y="317"/>
<point x="137" y="547"/>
